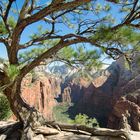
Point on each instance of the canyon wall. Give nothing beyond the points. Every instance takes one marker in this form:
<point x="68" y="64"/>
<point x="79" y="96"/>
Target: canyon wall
<point x="91" y="97"/>
<point x="41" y="92"/>
<point x="112" y="96"/>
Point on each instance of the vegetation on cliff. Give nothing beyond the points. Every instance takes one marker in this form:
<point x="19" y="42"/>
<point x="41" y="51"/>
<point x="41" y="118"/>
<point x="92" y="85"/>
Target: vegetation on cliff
<point x="61" y="115"/>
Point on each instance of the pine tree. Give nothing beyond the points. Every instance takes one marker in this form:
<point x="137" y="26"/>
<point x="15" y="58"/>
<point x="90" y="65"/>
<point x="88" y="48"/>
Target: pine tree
<point x="62" y="26"/>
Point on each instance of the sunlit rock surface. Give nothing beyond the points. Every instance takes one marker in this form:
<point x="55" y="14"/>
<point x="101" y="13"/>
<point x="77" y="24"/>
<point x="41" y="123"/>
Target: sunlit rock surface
<point x="41" y="92"/>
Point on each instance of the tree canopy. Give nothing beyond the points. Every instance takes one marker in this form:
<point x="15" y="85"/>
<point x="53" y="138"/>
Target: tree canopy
<point x="85" y="28"/>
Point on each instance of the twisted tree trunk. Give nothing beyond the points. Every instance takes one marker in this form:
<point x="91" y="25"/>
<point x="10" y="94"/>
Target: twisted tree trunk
<point x="27" y="115"/>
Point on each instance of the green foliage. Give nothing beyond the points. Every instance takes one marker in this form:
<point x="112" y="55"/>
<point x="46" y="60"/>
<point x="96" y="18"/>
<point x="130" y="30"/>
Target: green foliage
<point x="98" y="8"/>
<point x="3" y="30"/>
<point x="28" y="56"/>
<point x="60" y="114"/>
<point x="122" y="37"/>
<point x="12" y="24"/>
<point x="83" y="119"/>
<point x="80" y="57"/>
<point x="107" y="7"/>
<point x="39" y="32"/>
<point x="5" y="111"/>
<point x="12" y="72"/>
<point x="66" y="53"/>
<point x="68" y="22"/>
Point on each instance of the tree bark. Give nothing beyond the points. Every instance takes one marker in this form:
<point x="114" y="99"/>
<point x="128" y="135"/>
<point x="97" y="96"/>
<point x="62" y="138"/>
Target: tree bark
<point x="27" y="115"/>
<point x="103" y="133"/>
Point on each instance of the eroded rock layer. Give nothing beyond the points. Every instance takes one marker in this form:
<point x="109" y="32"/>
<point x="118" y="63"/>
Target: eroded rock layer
<point x="41" y="93"/>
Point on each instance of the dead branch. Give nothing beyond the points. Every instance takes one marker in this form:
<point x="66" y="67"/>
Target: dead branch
<point x="92" y="131"/>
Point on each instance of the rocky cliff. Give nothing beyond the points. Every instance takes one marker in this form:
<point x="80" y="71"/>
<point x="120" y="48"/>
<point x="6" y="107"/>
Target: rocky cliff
<point x="126" y="113"/>
<point x="126" y="110"/>
<point x="72" y="89"/>
<point x="126" y="98"/>
<point x="92" y="97"/>
<point x="40" y="92"/>
<point x="109" y="97"/>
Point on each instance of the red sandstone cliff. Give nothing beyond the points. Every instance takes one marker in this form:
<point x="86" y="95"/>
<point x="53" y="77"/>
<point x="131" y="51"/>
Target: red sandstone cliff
<point x="126" y="98"/>
<point x="86" y="98"/>
<point x="126" y="110"/>
<point x="41" y="92"/>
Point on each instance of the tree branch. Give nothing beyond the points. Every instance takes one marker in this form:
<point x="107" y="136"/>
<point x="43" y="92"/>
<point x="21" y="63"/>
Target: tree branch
<point x="12" y="53"/>
<point x="37" y="41"/>
<point x="114" y="1"/>
<point x="135" y="25"/>
<point x="45" y="12"/>
<point x="5" y="14"/>
<point x="27" y="9"/>
<point x="63" y="13"/>
<point x="65" y="41"/>
<point x="2" y="40"/>
<point x="130" y="15"/>
<point x="7" y="10"/>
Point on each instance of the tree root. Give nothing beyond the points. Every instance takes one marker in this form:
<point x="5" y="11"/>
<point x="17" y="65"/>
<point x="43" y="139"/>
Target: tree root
<point x="52" y="128"/>
<point x="81" y="129"/>
<point x="7" y="129"/>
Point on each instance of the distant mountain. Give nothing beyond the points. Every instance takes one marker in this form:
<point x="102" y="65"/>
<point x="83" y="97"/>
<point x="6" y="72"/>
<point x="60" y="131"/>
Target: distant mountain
<point x="59" y="70"/>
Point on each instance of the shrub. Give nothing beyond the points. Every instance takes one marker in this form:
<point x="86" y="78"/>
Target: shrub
<point x="5" y="111"/>
<point x="83" y="119"/>
<point x="60" y="113"/>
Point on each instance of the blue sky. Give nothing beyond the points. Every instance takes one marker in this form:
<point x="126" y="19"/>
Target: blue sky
<point x="3" y="53"/>
<point x="63" y="29"/>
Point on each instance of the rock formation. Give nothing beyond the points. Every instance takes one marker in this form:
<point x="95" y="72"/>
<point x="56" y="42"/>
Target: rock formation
<point x="75" y="88"/>
<point x="92" y="97"/>
<point x="128" y="106"/>
<point x="126" y="99"/>
<point x="66" y="95"/>
<point x="41" y="92"/>
<point x="126" y="114"/>
<point x="112" y="96"/>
